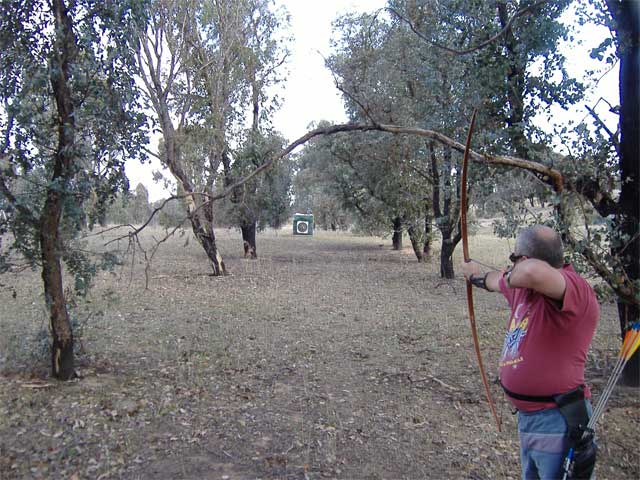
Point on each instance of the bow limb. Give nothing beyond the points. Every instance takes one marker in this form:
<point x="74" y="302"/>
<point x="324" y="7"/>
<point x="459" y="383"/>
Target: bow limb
<point x="465" y="250"/>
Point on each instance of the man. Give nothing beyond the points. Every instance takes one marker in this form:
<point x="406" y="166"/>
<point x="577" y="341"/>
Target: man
<point x="554" y="313"/>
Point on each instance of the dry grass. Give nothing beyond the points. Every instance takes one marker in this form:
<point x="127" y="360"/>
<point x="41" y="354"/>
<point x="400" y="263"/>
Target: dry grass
<point x="330" y="356"/>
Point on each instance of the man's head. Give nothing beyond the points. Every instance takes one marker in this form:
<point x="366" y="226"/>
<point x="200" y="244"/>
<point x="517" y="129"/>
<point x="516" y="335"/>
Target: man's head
<point x="540" y="242"/>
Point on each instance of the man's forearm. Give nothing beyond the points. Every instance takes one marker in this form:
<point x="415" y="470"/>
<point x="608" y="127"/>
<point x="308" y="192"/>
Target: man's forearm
<point x="488" y="280"/>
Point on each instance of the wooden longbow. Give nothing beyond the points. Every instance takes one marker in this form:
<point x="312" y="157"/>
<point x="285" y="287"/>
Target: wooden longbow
<point x="465" y="249"/>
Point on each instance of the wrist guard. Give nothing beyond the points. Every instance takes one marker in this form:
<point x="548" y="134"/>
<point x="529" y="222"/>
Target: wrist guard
<point x="480" y="282"/>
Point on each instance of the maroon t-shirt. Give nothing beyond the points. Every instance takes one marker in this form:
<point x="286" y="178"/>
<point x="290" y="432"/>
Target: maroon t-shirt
<point x="546" y="345"/>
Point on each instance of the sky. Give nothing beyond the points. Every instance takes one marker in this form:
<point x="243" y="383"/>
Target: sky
<point x="309" y="94"/>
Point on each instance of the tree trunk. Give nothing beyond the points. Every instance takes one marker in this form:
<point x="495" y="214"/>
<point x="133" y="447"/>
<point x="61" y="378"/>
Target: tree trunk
<point x="627" y="17"/>
<point x="447" y="212"/>
<point x="415" y="243"/>
<point x="396" y="239"/>
<point x="249" y="240"/>
<point x="446" y="254"/>
<point x="203" y="231"/>
<point x="427" y="233"/>
<point x="62" y="361"/>
<point x="200" y="216"/>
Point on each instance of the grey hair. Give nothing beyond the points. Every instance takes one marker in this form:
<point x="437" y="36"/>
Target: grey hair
<point x="541" y="242"/>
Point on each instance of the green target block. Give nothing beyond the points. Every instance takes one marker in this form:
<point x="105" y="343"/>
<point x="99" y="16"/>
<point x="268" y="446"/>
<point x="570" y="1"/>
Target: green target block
<point x="303" y="224"/>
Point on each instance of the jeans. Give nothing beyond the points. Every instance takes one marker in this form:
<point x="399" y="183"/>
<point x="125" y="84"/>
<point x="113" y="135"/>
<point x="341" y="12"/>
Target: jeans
<point x="543" y="443"/>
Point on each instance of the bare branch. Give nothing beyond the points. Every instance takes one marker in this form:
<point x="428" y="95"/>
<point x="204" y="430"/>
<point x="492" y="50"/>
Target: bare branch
<point x="612" y="136"/>
<point x="623" y="289"/>
<point x="152" y="153"/>
<point x="481" y="45"/>
<point x="136" y="231"/>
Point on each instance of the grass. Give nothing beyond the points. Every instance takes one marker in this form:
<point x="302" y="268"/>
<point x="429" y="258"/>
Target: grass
<point x="327" y="357"/>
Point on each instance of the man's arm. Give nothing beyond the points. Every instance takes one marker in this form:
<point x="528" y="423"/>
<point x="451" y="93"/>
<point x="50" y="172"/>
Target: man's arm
<point x="539" y="276"/>
<point x="471" y="271"/>
<point x="528" y="273"/>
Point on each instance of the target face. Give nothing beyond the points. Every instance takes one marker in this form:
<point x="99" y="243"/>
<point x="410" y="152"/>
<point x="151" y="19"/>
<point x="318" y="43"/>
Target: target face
<point x="302" y="227"/>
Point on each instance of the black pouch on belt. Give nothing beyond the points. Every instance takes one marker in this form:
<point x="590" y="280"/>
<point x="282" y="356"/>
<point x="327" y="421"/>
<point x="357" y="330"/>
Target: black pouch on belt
<point x="581" y="439"/>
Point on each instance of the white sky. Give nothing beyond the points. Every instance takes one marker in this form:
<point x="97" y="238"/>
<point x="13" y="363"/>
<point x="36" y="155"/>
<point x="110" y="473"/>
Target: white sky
<point x="310" y="95"/>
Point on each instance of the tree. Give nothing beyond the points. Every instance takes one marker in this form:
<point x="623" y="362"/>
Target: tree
<point x="625" y="240"/>
<point x="70" y="118"/>
<point x="162" y="63"/>
<point x="140" y="204"/>
<point x="376" y="88"/>
<point x="206" y="67"/>
<point x="265" y="199"/>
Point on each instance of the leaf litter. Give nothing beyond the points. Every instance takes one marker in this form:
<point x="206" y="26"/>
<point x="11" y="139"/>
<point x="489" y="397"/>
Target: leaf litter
<point x="329" y="357"/>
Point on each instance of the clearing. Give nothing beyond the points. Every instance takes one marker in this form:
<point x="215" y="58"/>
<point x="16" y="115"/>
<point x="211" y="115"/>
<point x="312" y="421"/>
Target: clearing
<point x="328" y="357"/>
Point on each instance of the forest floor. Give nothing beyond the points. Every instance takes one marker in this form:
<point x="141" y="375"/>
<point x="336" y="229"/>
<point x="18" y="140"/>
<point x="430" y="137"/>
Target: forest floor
<point x="327" y="357"/>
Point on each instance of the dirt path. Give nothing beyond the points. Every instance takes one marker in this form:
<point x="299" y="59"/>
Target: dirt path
<point x="328" y="357"/>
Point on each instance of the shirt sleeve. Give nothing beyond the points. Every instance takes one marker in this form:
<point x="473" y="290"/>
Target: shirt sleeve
<point x="577" y="294"/>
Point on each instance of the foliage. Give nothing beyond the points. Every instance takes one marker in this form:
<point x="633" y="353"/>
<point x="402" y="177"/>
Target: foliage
<point x="108" y="121"/>
<point x="265" y="199"/>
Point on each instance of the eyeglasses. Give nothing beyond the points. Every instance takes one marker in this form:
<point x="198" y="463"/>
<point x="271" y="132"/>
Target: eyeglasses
<point x="513" y="258"/>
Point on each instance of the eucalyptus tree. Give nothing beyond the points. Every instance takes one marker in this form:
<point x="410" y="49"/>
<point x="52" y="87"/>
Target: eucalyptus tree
<point x="264" y="200"/>
<point x="163" y="62"/>
<point x="70" y="117"/>
<point x="208" y="66"/>
<point x="387" y="77"/>
<point x="356" y="58"/>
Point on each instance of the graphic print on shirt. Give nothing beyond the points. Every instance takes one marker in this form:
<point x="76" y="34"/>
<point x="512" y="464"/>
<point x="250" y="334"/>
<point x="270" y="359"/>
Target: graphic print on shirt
<point x="512" y="341"/>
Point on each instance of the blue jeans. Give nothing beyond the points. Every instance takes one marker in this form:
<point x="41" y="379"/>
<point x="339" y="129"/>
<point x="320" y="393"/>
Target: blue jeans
<point x="543" y="443"/>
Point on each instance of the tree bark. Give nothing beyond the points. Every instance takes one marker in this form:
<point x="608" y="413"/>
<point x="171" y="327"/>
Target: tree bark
<point x="249" y="240"/>
<point x="65" y="47"/>
<point x="396" y="239"/>
<point x="202" y="226"/>
<point x="626" y="15"/>
<point x="416" y="243"/>
<point x="62" y="358"/>
<point x="200" y="216"/>
<point x="426" y="250"/>
<point x="446" y="254"/>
